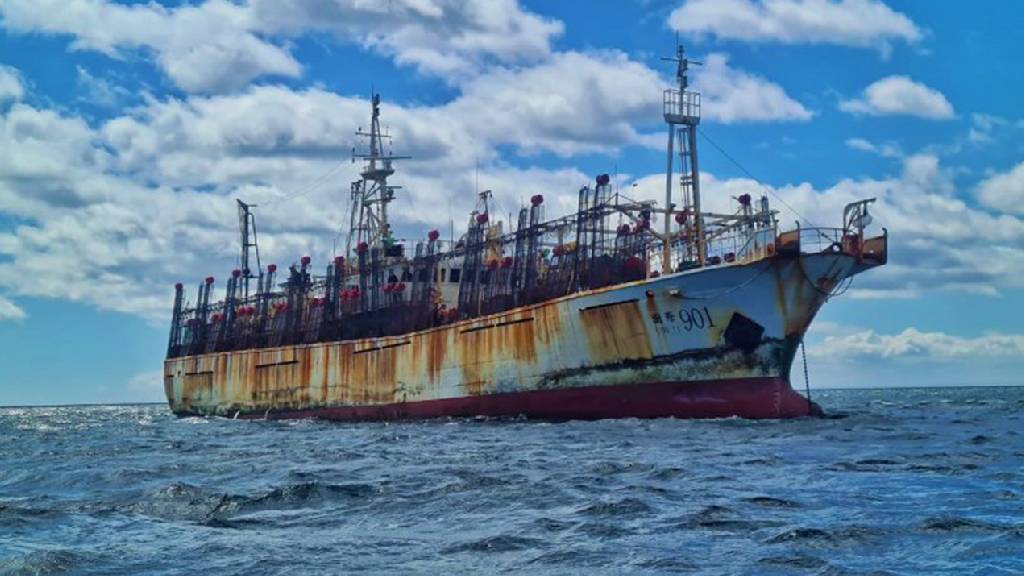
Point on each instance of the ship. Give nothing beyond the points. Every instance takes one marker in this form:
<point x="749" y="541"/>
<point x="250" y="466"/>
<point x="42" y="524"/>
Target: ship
<point x="622" y="309"/>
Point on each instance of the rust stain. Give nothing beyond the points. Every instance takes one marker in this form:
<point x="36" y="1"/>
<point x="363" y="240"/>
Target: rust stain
<point x="796" y="297"/>
<point x="781" y="302"/>
<point x="720" y="321"/>
<point x="790" y="294"/>
<point x="196" y="387"/>
<point x="346" y="365"/>
<point x="652" y="307"/>
<point x="631" y="330"/>
<point x="326" y="355"/>
<point x="548" y="321"/>
<point x="386" y="370"/>
<point x="231" y="365"/>
<point x="386" y="382"/>
<point x="473" y="349"/>
<point x="472" y="381"/>
<point x="169" y="369"/>
<point x="305" y="374"/>
<point x="417" y="353"/>
<point x="437" y="348"/>
<point x="486" y="353"/>
<point x="358" y="377"/>
<point x="616" y="333"/>
<point x="523" y="340"/>
<point x="600" y="335"/>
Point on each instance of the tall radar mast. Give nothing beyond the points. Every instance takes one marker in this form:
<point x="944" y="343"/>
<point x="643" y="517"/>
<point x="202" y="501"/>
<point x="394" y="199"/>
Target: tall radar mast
<point x="247" y="233"/>
<point x="371" y="194"/>
<point x="682" y="113"/>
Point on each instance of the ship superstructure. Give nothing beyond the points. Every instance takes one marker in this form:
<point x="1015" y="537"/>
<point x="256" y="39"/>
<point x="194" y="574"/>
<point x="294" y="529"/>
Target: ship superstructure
<point x="590" y="315"/>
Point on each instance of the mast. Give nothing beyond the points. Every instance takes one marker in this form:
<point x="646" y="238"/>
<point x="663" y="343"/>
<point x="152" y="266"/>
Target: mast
<point x="372" y="194"/>
<point x="247" y="231"/>
<point x="682" y="114"/>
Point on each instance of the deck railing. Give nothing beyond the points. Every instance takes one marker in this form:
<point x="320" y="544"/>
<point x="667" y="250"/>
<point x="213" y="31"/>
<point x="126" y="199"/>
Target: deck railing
<point x="681" y="106"/>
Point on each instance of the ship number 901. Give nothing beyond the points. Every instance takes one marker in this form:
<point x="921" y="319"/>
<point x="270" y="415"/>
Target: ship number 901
<point x="687" y="319"/>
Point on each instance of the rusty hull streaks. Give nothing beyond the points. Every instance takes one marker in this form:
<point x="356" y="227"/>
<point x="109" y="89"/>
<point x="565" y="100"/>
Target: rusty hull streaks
<point x="604" y="336"/>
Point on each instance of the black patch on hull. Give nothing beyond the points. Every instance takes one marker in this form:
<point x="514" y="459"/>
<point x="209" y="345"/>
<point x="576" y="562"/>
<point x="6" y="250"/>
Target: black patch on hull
<point x="743" y="333"/>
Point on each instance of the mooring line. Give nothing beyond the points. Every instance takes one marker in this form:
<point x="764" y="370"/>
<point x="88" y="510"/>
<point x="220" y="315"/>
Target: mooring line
<point x="807" y="379"/>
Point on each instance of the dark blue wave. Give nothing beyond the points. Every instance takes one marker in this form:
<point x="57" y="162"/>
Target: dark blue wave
<point x="924" y="481"/>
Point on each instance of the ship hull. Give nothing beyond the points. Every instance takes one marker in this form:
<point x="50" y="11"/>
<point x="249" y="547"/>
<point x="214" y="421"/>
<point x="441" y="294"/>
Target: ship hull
<point x="754" y="398"/>
<point x="708" y="343"/>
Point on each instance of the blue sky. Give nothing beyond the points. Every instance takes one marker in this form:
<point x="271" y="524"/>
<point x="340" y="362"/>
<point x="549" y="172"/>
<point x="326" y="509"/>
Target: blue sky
<point x="127" y="129"/>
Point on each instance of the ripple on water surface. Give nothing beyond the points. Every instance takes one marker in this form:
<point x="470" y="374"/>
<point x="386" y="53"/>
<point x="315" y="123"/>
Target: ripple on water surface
<point x="907" y="482"/>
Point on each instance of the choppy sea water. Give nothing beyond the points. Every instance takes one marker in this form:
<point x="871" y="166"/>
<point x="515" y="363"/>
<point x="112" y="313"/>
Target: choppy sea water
<point x="924" y="481"/>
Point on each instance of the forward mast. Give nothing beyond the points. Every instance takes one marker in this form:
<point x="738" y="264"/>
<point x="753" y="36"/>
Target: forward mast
<point x="368" y="222"/>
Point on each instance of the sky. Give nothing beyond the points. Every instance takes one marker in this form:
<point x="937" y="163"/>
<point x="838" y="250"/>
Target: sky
<point x="127" y="129"/>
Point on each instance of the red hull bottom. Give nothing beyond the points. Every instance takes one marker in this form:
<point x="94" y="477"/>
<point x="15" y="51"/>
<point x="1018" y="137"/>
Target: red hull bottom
<point x="745" y="397"/>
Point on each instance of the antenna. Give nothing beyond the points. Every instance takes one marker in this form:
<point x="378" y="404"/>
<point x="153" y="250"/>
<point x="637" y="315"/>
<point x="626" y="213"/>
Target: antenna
<point x="682" y="65"/>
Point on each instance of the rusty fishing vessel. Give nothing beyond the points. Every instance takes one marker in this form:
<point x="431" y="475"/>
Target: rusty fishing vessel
<point x="622" y="309"/>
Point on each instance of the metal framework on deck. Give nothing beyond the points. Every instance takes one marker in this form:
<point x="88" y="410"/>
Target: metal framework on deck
<point x="386" y="287"/>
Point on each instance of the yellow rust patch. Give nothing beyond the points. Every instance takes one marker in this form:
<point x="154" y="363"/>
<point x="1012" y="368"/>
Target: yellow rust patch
<point x="345" y="367"/>
<point x="472" y="381"/>
<point x="386" y="381"/>
<point x="522" y="339"/>
<point x="367" y="374"/>
<point x="196" y="387"/>
<point x="475" y="349"/>
<point x="790" y="294"/>
<point x="719" y="322"/>
<point x="437" y="348"/>
<point x="491" y="344"/>
<point x="547" y="322"/>
<point x="616" y="332"/>
<point x="796" y="298"/>
<point x="380" y="371"/>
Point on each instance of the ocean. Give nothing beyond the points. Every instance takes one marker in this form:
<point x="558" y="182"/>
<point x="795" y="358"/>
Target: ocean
<point x="904" y="481"/>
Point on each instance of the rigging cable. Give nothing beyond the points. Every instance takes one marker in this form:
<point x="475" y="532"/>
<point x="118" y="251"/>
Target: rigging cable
<point x="341" y="227"/>
<point x="754" y="178"/>
<point x="307" y="188"/>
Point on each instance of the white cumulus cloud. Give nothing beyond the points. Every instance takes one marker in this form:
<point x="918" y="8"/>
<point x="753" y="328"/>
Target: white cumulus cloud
<point x="11" y="87"/>
<point x="983" y="126"/>
<point x="456" y="39"/>
<point x="219" y="46"/>
<point x="912" y="343"/>
<point x="10" y="311"/>
<point x="883" y="149"/>
<point x="861" y="23"/>
<point x="575" y="102"/>
<point x="730" y="95"/>
<point x="1004" y="191"/>
<point x="899" y="95"/>
<point x="204" y="48"/>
